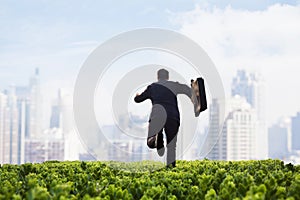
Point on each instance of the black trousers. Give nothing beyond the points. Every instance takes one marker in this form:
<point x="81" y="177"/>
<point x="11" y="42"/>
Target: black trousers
<point x="170" y="128"/>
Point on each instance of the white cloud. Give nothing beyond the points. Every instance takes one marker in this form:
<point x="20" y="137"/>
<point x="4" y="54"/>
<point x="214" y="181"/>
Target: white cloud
<point x="267" y="41"/>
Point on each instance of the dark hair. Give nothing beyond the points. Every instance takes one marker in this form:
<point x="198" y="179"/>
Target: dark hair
<point x="162" y="74"/>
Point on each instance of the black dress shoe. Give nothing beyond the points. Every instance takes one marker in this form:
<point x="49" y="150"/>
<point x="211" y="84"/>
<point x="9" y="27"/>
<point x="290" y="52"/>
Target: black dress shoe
<point x="151" y="142"/>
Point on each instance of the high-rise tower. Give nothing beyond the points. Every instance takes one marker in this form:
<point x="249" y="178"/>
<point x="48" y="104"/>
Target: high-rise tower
<point x="35" y="116"/>
<point x="236" y="139"/>
<point x="251" y="86"/>
<point x="295" y="125"/>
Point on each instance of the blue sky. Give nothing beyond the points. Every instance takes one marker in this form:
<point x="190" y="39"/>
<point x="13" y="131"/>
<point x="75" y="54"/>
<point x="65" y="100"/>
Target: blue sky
<point x="57" y="36"/>
<point x="33" y="28"/>
<point x="44" y="27"/>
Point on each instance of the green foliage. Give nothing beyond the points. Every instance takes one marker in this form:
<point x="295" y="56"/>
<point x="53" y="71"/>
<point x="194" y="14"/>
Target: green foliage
<point x="267" y="179"/>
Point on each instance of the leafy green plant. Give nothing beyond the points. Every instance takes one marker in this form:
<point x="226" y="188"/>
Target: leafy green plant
<point x="202" y="179"/>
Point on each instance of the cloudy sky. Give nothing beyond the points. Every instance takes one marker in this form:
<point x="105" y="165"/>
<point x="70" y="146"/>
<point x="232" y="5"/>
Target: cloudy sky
<point x="57" y="36"/>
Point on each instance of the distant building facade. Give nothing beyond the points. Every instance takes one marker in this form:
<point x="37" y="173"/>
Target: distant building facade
<point x="236" y="139"/>
<point x="35" y="106"/>
<point x="9" y="130"/>
<point x="48" y="147"/>
<point x="251" y="86"/>
<point x="278" y="141"/>
<point x="295" y="128"/>
<point x="20" y="124"/>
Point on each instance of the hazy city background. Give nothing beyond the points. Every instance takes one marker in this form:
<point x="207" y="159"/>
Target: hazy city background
<point x="255" y="46"/>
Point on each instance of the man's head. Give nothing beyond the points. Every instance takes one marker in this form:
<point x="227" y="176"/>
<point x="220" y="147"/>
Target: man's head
<point x="162" y="74"/>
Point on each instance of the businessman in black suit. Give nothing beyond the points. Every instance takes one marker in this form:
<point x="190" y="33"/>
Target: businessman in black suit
<point x="165" y="113"/>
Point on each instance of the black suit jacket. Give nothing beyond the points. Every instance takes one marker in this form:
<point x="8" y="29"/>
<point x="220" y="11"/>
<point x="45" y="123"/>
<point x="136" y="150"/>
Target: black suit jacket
<point x="165" y="93"/>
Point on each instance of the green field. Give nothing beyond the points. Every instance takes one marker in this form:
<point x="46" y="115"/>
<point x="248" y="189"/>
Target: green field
<point x="268" y="179"/>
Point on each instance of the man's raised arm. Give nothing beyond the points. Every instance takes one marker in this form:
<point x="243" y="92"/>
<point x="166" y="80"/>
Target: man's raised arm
<point x="184" y="89"/>
<point x="142" y="97"/>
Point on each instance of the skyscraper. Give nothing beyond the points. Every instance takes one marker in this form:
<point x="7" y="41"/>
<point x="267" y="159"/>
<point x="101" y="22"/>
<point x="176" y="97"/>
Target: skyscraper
<point x="251" y="86"/>
<point x="237" y="138"/>
<point x="56" y="113"/>
<point x="35" y="116"/>
<point x="62" y="118"/>
<point x="29" y="113"/>
<point x="20" y="118"/>
<point x="23" y="101"/>
<point x="13" y="129"/>
<point x="22" y="94"/>
<point x="9" y="127"/>
<point x="296" y="132"/>
<point x="4" y="124"/>
<point x="278" y="136"/>
<point x="240" y="128"/>
<point x="214" y="142"/>
<point x="22" y="111"/>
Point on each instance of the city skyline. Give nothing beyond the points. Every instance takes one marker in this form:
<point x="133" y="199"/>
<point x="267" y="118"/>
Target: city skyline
<point x="253" y="35"/>
<point x="241" y="140"/>
<point x="257" y="37"/>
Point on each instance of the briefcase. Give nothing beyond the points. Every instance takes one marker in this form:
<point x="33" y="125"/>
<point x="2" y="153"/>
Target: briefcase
<point x="198" y="95"/>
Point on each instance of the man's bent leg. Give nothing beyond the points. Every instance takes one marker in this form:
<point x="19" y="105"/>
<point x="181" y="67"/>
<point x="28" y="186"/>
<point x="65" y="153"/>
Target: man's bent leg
<point x="171" y="129"/>
<point x="153" y="134"/>
<point x="156" y="124"/>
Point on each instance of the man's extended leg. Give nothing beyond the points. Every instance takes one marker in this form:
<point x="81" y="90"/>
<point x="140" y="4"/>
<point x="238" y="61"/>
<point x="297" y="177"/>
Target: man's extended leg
<point x="171" y="129"/>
